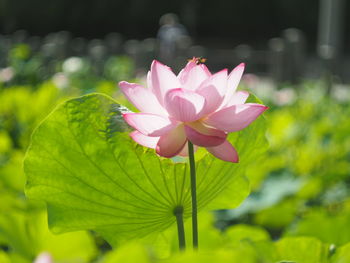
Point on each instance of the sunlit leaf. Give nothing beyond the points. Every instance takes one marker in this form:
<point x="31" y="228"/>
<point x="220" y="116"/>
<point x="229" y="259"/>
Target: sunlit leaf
<point x="27" y="235"/>
<point x="241" y="232"/>
<point x="331" y="228"/>
<point x="4" y="258"/>
<point x="217" y="256"/>
<point x="130" y="253"/>
<point x="301" y="250"/>
<point x="83" y="164"/>
<point x="342" y="254"/>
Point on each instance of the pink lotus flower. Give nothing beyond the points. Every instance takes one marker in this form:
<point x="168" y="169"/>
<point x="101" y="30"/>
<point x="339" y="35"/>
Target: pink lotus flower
<point x="195" y="105"/>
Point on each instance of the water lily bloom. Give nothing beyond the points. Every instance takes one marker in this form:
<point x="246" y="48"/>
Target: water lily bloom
<point x="194" y="106"/>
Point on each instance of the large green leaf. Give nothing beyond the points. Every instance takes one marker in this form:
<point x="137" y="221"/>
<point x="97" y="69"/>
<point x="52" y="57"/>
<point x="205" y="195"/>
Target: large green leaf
<point x="26" y="234"/>
<point x="301" y="250"/>
<point x="342" y="254"/>
<point x="4" y="258"/>
<point x="83" y="164"/>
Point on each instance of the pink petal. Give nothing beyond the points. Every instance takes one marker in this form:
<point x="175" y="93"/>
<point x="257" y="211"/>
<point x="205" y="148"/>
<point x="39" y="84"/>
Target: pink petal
<point x="211" y="137"/>
<point x="225" y="152"/>
<point x="171" y="144"/>
<point x="184" y="73"/>
<point x="147" y="141"/>
<point x="184" y="151"/>
<point x="235" y="117"/>
<point x="234" y="78"/>
<point x="149" y="80"/>
<point x="162" y="79"/>
<point x="193" y="75"/>
<point x="232" y="82"/>
<point x="142" y="98"/>
<point x="213" y="90"/>
<point x="238" y="97"/>
<point x="184" y="105"/>
<point x="150" y="124"/>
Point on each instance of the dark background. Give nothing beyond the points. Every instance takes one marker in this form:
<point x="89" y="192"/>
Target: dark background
<point x="229" y="22"/>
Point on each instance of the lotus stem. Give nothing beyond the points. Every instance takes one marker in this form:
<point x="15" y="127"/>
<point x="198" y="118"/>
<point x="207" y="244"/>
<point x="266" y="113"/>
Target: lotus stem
<point x="194" y="195"/>
<point x="178" y="212"/>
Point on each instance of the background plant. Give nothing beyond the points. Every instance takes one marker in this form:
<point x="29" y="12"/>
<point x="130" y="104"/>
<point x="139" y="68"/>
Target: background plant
<point x="301" y="182"/>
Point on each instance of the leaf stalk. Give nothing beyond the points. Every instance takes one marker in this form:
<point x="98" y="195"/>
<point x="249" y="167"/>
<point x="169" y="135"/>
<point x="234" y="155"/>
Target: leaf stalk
<point x="193" y="195"/>
<point x="178" y="212"/>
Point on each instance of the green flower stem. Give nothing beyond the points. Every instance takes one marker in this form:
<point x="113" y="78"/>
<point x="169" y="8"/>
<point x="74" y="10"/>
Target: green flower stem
<point x="178" y="212"/>
<point x="194" y="195"/>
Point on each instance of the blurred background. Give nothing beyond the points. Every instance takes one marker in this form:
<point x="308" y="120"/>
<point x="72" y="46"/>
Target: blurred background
<point x="298" y="62"/>
<point x="286" y="40"/>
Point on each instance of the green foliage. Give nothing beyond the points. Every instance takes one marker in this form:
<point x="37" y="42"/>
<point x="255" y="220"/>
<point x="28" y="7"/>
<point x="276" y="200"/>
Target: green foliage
<point x="298" y="211"/>
<point x="4" y="258"/>
<point x="238" y="233"/>
<point x="301" y="250"/>
<point x="24" y="230"/>
<point x="27" y="235"/>
<point x="331" y="227"/>
<point x="83" y="164"/>
<point x="342" y="254"/>
<point x="119" y="68"/>
<point x="129" y="253"/>
<point x="240" y="249"/>
<point x="22" y="108"/>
